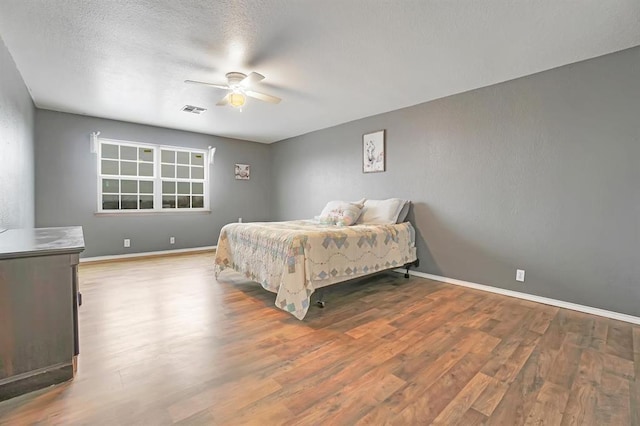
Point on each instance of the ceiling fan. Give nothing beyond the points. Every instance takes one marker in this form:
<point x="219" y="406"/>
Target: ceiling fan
<point x="239" y="87"/>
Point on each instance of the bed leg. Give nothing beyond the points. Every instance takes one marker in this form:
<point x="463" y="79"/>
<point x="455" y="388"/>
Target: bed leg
<point x="415" y="263"/>
<point x="320" y="302"/>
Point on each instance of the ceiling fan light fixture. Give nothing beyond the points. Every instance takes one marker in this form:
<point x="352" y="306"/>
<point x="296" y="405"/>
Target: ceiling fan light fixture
<point x="237" y="99"/>
<point x="239" y="88"/>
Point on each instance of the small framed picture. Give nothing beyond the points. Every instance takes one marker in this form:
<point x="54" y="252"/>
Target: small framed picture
<point x="373" y="152"/>
<point x="243" y="171"/>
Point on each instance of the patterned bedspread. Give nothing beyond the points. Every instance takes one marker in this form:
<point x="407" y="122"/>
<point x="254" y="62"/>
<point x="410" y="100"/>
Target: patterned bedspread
<point x="292" y="259"/>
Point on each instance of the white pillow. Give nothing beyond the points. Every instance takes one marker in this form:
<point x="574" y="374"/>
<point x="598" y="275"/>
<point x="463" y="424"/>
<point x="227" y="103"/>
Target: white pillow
<point x="381" y="211"/>
<point x="342" y="212"/>
<point x="404" y="211"/>
<point x="359" y="203"/>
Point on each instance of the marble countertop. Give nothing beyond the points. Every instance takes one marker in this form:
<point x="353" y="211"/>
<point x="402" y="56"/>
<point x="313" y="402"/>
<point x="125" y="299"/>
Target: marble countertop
<point x="40" y="241"/>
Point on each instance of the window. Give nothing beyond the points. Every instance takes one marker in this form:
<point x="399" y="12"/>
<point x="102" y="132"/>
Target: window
<point x="145" y="177"/>
<point x="182" y="174"/>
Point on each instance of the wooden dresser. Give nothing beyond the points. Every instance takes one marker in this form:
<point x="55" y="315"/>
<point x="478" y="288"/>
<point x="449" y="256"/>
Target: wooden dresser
<point x="38" y="307"/>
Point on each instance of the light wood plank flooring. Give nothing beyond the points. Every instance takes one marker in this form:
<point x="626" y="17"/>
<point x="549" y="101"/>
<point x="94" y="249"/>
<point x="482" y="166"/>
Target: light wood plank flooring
<point x="163" y="343"/>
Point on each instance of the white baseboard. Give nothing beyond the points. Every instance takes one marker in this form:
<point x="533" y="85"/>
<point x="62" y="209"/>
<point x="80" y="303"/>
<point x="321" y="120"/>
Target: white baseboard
<point x="533" y="298"/>
<point x="145" y="254"/>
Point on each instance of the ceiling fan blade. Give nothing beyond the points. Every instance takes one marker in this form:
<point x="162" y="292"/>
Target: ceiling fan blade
<point x="252" y="78"/>
<point x="219" y="86"/>
<point x="263" y="97"/>
<point x="224" y="101"/>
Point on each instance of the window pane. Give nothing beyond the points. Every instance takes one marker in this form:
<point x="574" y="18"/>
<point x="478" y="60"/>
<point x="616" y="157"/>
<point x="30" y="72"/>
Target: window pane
<point x="168" y="156"/>
<point x="145" y="154"/>
<point x="109" y="151"/>
<point x="146" y="201"/>
<point x="146" y="187"/>
<point x="128" y="153"/>
<point x="110" y="186"/>
<point x="146" y="169"/>
<point x="168" y="171"/>
<point x="183" y="172"/>
<point x="128" y="168"/>
<point x="198" y="202"/>
<point x="183" y="188"/>
<point x="109" y="167"/>
<point x="168" y="187"/>
<point x="110" y="202"/>
<point x="197" y="172"/>
<point x="183" y="202"/>
<point x="168" y="201"/>
<point x="197" y="159"/>
<point x="183" y="157"/>
<point x="129" y="186"/>
<point x="129" y="202"/>
<point x="197" y="188"/>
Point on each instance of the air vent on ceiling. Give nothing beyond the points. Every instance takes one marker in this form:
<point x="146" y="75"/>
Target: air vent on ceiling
<point x="193" y="109"/>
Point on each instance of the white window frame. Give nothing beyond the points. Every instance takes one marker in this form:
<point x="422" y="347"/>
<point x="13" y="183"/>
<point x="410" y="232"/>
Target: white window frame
<point x="156" y="179"/>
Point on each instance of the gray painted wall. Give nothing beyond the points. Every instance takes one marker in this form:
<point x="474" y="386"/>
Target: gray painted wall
<point x="66" y="185"/>
<point x="16" y="147"/>
<point x="540" y="173"/>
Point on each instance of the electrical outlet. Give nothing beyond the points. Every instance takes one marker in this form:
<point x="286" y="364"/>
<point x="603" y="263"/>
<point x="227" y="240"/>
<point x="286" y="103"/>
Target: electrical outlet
<point x="520" y="275"/>
<point x="172" y="240"/>
<point x="127" y="242"/>
<point x="239" y="220"/>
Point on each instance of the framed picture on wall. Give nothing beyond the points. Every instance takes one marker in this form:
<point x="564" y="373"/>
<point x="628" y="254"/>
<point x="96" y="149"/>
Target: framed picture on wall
<point x="373" y="156"/>
<point x="243" y="171"/>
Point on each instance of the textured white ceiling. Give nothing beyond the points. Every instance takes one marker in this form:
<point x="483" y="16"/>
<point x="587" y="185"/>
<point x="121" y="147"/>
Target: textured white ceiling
<point x="331" y="61"/>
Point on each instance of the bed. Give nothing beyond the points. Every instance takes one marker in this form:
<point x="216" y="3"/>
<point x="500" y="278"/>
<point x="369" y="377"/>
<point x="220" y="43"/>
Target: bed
<point x="294" y="259"/>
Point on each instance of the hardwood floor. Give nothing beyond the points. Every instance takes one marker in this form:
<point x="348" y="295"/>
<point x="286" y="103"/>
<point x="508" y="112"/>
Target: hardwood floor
<point x="163" y="343"/>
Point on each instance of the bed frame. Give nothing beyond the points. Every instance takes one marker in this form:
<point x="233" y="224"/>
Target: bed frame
<point x="321" y="291"/>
